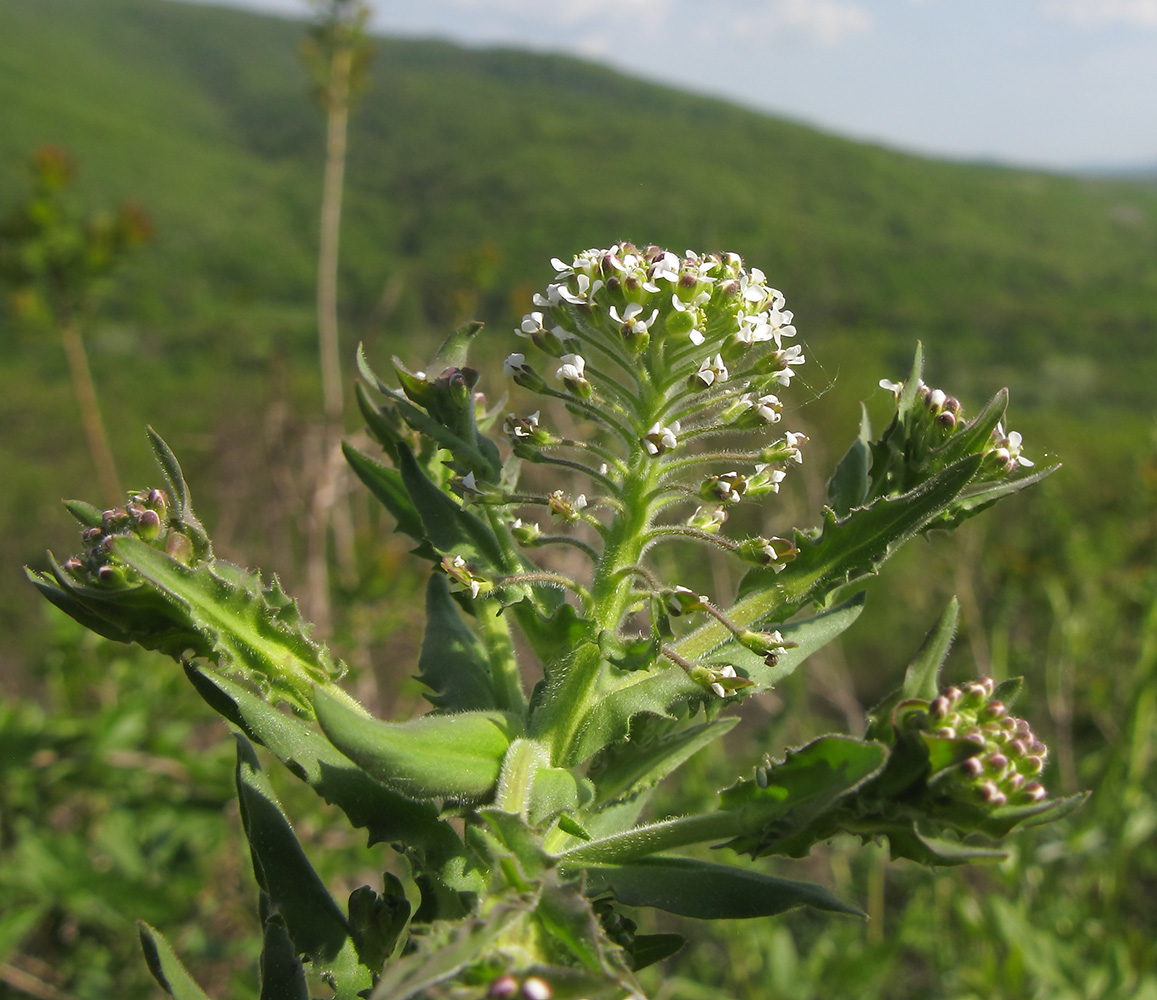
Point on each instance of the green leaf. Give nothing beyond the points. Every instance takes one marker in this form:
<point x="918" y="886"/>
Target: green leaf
<point x="453" y="663"/>
<point x="809" y="635"/>
<point x="974" y="435"/>
<point x="166" y="968"/>
<point x="647" y="949"/>
<point x="927" y="849"/>
<point x="377" y="921"/>
<point x="922" y="678"/>
<point x="447" y="950"/>
<point x="435" y="756"/>
<point x="85" y="513"/>
<point x="388" y="816"/>
<point x="983" y="495"/>
<point x="792" y="805"/>
<point x="282" y="972"/>
<point x="313" y="920"/>
<point x="386" y="484"/>
<point x="653" y="692"/>
<point x="454" y="349"/>
<point x="848" y="549"/>
<point x="708" y="891"/>
<point x="245" y="626"/>
<point x="629" y="768"/>
<point x="179" y="492"/>
<point x="848" y="487"/>
<point x="450" y="527"/>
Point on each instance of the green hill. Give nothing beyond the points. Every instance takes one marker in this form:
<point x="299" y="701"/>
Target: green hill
<point x="468" y="171"/>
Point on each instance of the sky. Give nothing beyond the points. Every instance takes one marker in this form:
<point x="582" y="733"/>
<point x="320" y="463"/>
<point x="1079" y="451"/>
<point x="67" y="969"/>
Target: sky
<point x="1059" y="84"/>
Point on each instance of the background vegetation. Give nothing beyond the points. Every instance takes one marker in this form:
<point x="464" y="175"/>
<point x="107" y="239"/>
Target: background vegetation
<point x="468" y="171"/>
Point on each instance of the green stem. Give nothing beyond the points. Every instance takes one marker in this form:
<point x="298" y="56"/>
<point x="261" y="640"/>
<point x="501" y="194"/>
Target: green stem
<point x="504" y="673"/>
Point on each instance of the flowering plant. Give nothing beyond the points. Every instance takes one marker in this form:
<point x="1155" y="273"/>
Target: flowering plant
<point x="518" y="815"/>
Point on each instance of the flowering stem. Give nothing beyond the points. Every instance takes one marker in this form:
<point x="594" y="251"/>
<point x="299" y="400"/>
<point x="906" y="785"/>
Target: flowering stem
<point x="577" y="543"/>
<point x="586" y="470"/>
<point x="503" y="664"/>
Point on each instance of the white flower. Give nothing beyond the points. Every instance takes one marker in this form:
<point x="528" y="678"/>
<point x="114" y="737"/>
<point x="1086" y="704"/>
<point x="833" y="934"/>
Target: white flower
<point x="531" y="324"/>
<point x="795" y="443"/>
<point x="711" y="371"/>
<point x="708" y="520"/>
<point x="1007" y="449"/>
<point x="769" y="407"/>
<point x="572" y="367"/>
<point x="726" y="671"/>
<point x="514" y="364"/>
<point x="630" y="319"/>
<point x="766" y="479"/>
<point x="586" y="289"/>
<point x="660" y="439"/>
<point x="520" y="427"/>
<point x="895" y="388"/>
<point x="789" y="358"/>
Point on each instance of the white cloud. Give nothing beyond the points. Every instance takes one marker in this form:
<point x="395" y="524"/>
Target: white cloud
<point x="1136" y="13"/>
<point x="828" y="22"/>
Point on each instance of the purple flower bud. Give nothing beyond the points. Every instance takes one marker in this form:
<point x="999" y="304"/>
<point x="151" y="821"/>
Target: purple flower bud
<point x="939" y="708"/>
<point x="1018" y="748"/>
<point x="148" y="524"/>
<point x="179" y="547"/>
<point x="502" y="988"/>
<point x="973" y="767"/>
<point x="1034" y="791"/>
<point x="993" y="710"/>
<point x="1030" y="765"/>
<point x="996" y="762"/>
<point x="536" y="988"/>
<point x="991" y="794"/>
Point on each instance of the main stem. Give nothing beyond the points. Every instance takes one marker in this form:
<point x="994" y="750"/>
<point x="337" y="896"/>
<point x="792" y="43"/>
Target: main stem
<point x="571" y="699"/>
<point x="329" y="351"/>
<point x="90" y="417"/>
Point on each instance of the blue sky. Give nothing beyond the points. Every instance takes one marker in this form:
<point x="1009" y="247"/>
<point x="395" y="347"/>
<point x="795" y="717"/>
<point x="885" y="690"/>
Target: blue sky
<point x="1061" y="84"/>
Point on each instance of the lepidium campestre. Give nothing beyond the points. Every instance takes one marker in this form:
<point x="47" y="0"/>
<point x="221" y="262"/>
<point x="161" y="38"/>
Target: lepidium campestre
<point x="518" y="817"/>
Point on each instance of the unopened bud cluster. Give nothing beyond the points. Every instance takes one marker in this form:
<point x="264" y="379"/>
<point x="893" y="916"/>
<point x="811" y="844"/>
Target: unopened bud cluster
<point x="1010" y="759"/>
<point x="144" y="516"/>
<point x="508" y="987"/>
<point x="938" y="416"/>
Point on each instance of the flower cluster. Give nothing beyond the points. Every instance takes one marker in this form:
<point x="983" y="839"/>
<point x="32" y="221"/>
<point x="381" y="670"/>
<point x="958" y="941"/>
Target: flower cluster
<point x="144" y="516"/>
<point x="1005" y="768"/>
<point x="668" y="356"/>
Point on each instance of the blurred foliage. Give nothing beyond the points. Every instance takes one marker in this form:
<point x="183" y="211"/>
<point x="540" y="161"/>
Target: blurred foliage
<point x="469" y="170"/>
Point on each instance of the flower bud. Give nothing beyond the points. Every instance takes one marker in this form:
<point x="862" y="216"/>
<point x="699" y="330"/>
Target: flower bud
<point x="179" y="547"/>
<point x="562" y="507"/>
<point x="570" y="372"/>
<point x="525" y="532"/>
<point x="536" y="988"/>
<point x="726" y="488"/>
<point x="502" y="988"/>
<point x="707" y="519"/>
<point x="682" y="601"/>
<point x="773" y="552"/>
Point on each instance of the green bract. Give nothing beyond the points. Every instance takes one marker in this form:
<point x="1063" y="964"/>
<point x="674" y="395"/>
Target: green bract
<point x="659" y="412"/>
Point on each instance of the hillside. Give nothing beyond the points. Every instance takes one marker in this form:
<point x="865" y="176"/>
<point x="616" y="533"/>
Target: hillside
<point x="469" y="170"/>
<point x="473" y="168"/>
